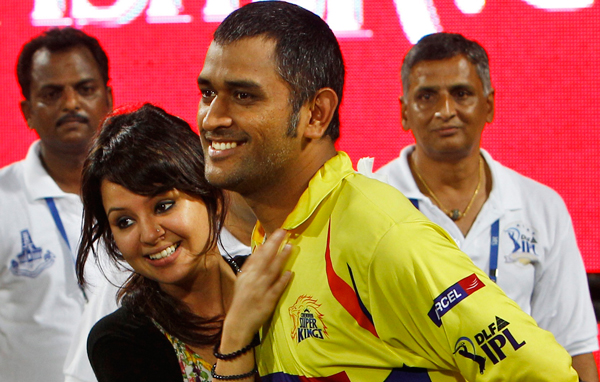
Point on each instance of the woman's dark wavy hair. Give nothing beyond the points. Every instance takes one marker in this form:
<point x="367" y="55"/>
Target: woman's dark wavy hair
<point x="149" y="152"/>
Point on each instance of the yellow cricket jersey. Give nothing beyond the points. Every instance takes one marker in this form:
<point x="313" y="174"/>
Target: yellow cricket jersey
<point x="380" y="293"/>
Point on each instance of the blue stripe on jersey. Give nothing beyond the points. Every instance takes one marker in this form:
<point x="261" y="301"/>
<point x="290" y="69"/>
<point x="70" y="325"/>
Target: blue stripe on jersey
<point x="404" y="374"/>
<point x="408" y="374"/>
<point x="280" y="377"/>
<point x="360" y="303"/>
<point x="415" y="202"/>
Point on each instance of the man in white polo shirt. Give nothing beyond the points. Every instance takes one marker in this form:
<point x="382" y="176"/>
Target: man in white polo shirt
<point x="63" y="74"/>
<point x="517" y="230"/>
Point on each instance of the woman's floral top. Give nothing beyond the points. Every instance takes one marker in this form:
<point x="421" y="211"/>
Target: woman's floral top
<point x="193" y="367"/>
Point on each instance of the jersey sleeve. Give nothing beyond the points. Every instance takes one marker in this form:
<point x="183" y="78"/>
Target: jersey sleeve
<point x="428" y="299"/>
<point x="561" y="301"/>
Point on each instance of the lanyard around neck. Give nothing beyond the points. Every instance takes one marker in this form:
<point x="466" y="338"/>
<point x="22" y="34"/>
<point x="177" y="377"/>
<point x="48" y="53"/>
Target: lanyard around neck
<point x="494" y="244"/>
<point x="63" y="233"/>
<point x="58" y="221"/>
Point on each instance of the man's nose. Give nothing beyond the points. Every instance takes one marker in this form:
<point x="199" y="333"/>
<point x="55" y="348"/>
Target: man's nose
<point x="214" y="115"/>
<point x="71" y="99"/>
<point x="446" y="108"/>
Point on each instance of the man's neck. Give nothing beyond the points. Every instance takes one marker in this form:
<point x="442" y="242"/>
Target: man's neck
<point x="240" y="220"/>
<point x="273" y="204"/>
<point x="462" y="185"/>
<point x="459" y="175"/>
<point x="64" y="169"/>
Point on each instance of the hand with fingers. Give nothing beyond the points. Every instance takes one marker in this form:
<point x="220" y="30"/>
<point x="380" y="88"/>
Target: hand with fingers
<point x="257" y="290"/>
<point x="260" y="284"/>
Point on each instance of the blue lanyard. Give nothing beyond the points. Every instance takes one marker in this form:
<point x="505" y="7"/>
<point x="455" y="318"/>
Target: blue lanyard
<point x="494" y="243"/>
<point x="63" y="233"/>
<point x="58" y="221"/>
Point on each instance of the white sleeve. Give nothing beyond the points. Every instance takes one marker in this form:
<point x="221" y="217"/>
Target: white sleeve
<point x="102" y="302"/>
<point x="561" y="300"/>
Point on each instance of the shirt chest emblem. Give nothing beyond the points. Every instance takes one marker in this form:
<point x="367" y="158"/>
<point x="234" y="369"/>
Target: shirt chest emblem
<point x="32" y="260"/>
<point x="307" y="320"/>
<point x="520" y="244"/>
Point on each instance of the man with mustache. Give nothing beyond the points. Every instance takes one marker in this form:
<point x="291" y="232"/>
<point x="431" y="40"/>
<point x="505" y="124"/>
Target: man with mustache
<point x="63" y="75"/>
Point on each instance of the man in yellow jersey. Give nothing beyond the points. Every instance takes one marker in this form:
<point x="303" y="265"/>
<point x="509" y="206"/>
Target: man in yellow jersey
<point x="379" y="293"/>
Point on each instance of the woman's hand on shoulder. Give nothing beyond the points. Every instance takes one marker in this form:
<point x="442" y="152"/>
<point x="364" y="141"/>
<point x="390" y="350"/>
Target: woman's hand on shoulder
<point x="258" y="287"/>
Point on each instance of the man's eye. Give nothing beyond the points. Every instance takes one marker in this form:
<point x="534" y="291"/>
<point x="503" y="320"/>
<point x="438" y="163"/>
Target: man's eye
<point x="124" y="222"/>
<point x="51" y="95"/>
<point x="242" y="96"/>
<point x="164" y="206"/>
<point x="425" y="97"/>
<point x="207" y="93"/>
<point x="87" y="90"/>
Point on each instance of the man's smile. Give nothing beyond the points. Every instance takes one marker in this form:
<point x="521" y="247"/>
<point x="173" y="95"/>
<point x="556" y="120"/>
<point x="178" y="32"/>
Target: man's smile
<point x="223" y="145"/>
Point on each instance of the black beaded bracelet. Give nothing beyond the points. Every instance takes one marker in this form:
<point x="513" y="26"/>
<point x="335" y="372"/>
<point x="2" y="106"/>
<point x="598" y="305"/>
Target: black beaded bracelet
<point x="237" y="353"/>
<point x="231" y="377"/>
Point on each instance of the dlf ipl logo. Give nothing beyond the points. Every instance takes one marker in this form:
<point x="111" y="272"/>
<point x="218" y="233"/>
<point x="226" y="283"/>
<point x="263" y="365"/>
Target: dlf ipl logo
<point x="495" y="341"/>
<point x="307" y="320"/>
<point x="495" y="337"/>
<point x="521" y="240"/>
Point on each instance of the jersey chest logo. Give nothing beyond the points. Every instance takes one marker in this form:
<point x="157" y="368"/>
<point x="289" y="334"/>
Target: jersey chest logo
<point x="520" y="243"/>
<point x="307" y="320"/>
<point x="32" y="260"/>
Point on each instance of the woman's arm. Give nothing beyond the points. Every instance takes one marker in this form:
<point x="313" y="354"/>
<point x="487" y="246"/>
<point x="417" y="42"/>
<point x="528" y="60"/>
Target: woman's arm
<point x="257" y="289"/>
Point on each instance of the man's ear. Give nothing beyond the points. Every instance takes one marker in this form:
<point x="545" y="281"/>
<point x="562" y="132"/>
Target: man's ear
<point x="109" y="96"/>
<point x="321" y="111"/>
<point x="490" y="100"/>
<point x="26" y="111"/>
<point x="403" y="118"/>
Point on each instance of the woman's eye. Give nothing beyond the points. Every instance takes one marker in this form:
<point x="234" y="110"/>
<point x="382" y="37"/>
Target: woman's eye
<point x="124" y="222"/>
<point x="164" y="206"/>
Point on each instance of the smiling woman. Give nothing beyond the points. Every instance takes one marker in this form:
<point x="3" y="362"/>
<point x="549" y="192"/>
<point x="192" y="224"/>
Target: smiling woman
<point x="147" y="202"/>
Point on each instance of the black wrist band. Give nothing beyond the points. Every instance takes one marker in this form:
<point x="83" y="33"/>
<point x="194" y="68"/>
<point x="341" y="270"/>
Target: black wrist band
<point x="232" y="377"/>
<point x="237" y="353"/>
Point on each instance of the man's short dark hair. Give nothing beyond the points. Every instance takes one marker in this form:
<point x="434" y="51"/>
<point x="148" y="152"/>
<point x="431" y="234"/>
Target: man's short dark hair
<point x="441" y="46"/>
<point x="56" y="40"/>
<point x="307" y="54"/>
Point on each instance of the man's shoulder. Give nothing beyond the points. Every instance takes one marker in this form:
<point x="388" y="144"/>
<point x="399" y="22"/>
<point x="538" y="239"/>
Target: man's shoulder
<point x="12" y="184"/>
<point x="528" y="188"/>
<point x="11" y="173"/>
<point x="397" y="173"/>
<point x="373" y="206"/>
<point x="392" y="166"/>
<point x="375" y="196"/>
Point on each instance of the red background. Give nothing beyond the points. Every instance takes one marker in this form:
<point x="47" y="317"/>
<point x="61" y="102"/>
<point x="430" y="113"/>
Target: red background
<point x="545" y="67"/>
<point x="544" y="64"/>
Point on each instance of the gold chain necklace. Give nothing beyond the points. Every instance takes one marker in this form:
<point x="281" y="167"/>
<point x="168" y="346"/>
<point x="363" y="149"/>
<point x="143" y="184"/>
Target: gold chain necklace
<point x="455" y="214"/>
